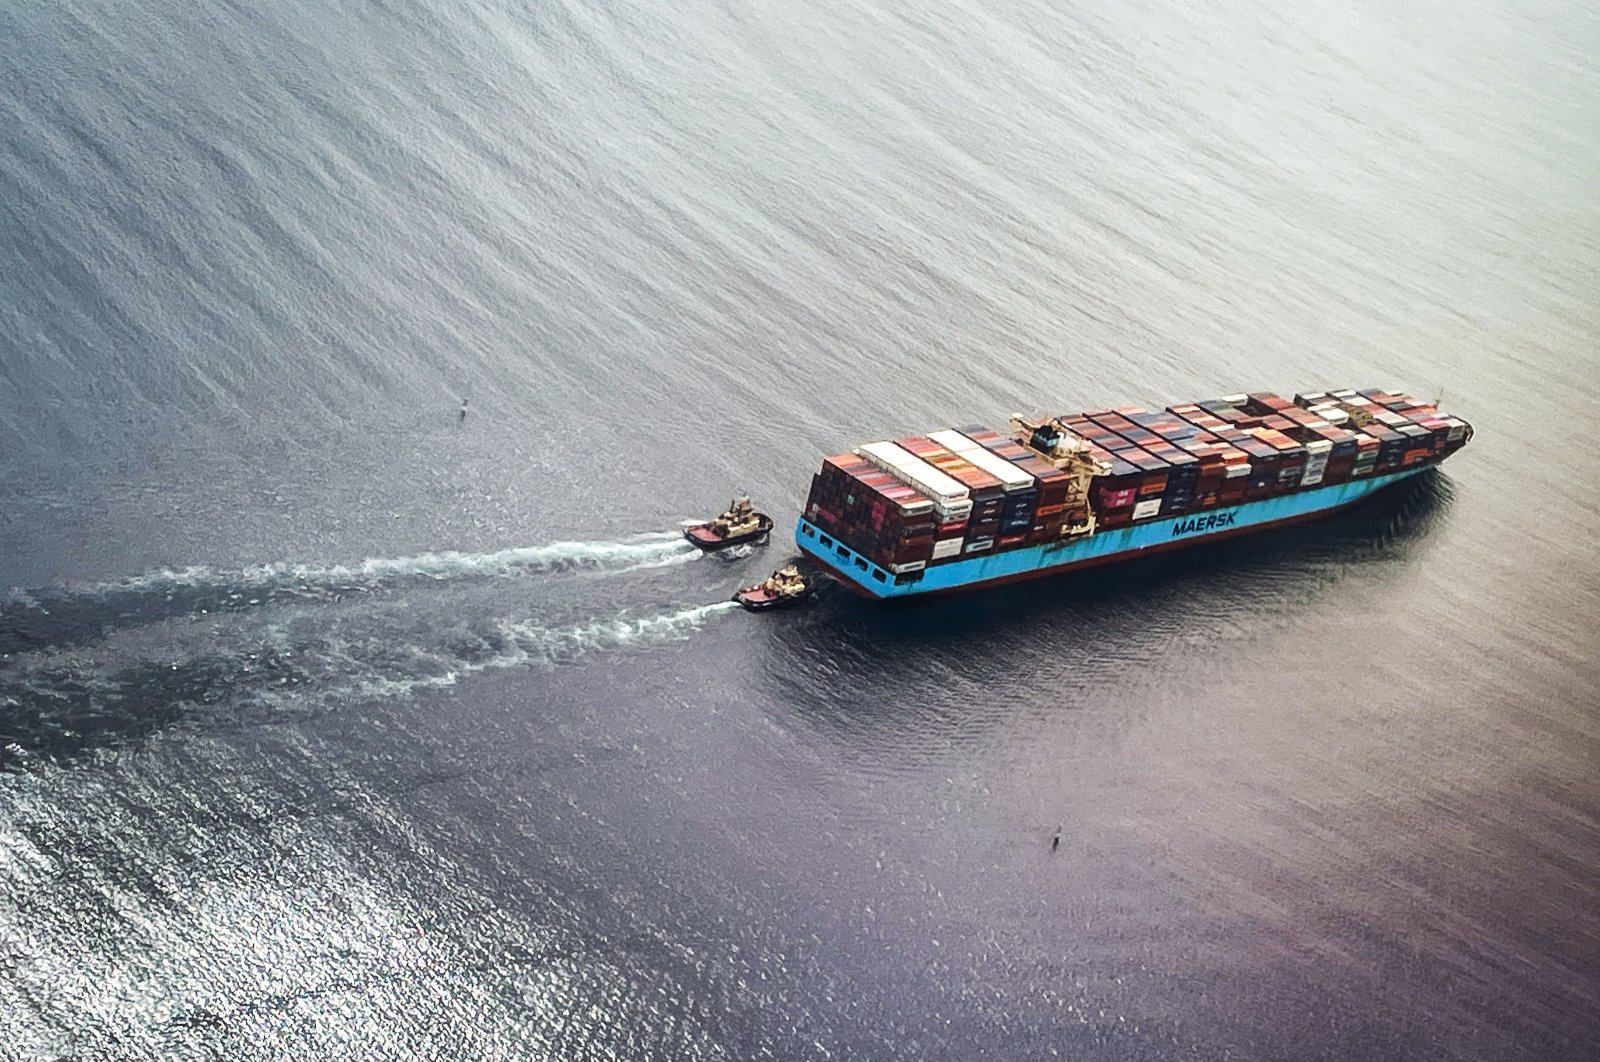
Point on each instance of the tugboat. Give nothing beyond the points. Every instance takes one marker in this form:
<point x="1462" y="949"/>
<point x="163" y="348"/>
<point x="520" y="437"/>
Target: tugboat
<point x="739" y="523"/>
<point x="782" y="588"/>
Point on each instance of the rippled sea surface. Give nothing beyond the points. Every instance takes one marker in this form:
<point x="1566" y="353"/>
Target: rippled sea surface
<point x="335" y="724"/>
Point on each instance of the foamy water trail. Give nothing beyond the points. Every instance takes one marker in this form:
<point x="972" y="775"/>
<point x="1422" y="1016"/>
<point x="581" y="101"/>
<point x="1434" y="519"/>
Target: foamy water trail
<point x="63" y="702"/>
<point x="532" y="645"/>
<point x="643" y="549"/>
<point x="46" y="616"/>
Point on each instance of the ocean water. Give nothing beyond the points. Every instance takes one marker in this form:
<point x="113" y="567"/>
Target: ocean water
<point x="337" y="724"/>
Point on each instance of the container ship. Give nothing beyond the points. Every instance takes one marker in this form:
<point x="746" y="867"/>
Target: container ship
<point x="969" y="507"/>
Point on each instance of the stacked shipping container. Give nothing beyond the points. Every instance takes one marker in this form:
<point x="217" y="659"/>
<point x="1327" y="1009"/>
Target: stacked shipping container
<point x="924" y="500"/>
<point x="981" y="526"/>
<point x="872" y="512"/>
<point x="1041" y="518"/>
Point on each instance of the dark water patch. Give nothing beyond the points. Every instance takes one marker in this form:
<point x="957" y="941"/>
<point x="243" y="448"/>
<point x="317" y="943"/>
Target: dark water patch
<point x="64" y="710"/>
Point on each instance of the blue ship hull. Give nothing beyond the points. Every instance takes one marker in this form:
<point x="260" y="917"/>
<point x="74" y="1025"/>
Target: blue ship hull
<point x="1103" y="547"/>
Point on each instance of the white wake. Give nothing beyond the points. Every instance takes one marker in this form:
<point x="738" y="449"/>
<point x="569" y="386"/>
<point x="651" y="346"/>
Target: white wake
<point x="653" y="549"/>
<point x="531" y="645"/>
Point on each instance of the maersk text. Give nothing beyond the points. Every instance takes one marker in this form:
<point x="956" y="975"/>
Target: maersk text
<point x="1203" y="523"/>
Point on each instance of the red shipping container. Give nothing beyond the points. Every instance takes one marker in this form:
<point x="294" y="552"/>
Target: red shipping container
<point x="1117" y="499"/>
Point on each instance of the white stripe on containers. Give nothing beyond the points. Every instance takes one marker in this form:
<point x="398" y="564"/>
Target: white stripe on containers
<point x="1010" y="476"/>
<point x="950" y="497"/>
<point x="1317" y="452"/>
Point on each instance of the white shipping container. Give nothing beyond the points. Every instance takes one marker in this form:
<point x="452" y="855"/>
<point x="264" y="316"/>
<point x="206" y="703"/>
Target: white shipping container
<point x="1147" y="508"/>
<point x="908" y="566"/>
<point x="978" y="545"/>
<point x="1316" y="462"/>
<point x="913" y="471"/>
<point x="946" y="547"/>
<point x="951" y="440"/>
<point x="1238" y="470"/>
<point x="1457" y="429"/>
<point x="1010" y="476"/>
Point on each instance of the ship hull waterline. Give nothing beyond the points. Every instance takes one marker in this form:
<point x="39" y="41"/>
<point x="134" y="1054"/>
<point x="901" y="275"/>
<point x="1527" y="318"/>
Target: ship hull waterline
<point x="1104" y="547"/>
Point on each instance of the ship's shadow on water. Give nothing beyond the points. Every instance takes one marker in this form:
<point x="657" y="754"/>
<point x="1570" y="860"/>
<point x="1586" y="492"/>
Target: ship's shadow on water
<point x="857" y="667"/>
